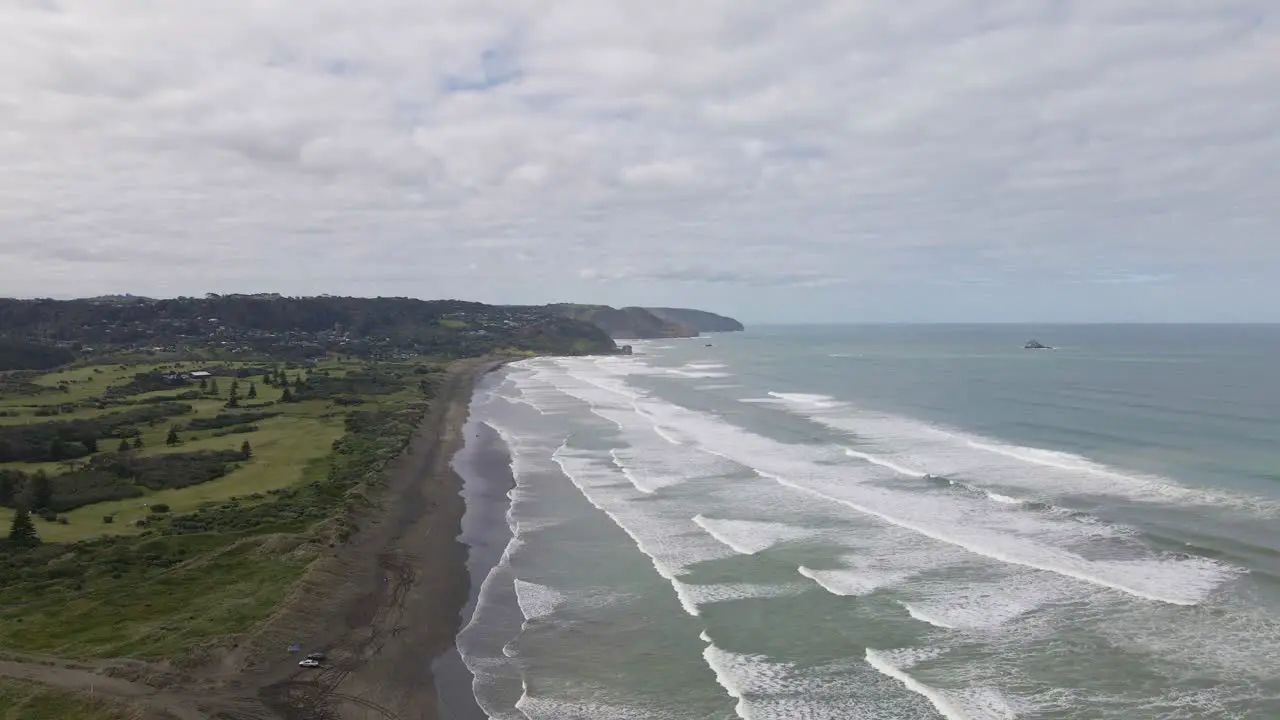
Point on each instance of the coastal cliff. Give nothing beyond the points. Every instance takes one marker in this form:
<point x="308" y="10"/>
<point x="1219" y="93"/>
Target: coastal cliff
<point x="642" y="322"/>
<point x="699" y="320"/>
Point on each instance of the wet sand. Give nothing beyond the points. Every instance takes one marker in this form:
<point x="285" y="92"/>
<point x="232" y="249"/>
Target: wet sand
<point x="484" y="464"/>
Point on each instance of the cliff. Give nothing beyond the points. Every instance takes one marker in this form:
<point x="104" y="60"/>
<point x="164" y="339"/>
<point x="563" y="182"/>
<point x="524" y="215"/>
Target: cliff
<point x="700" y="320"/>
<point x="640" y="323"/>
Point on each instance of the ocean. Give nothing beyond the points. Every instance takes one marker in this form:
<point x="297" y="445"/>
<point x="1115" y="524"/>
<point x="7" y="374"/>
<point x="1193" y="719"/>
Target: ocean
<point x="883" y="522"/>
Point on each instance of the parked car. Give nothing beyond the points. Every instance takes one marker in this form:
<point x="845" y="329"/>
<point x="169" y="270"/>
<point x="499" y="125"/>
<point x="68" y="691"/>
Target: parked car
<point x="309" y="663"/>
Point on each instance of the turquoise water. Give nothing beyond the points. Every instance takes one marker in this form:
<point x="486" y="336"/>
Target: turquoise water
<point x="890" y="522"/>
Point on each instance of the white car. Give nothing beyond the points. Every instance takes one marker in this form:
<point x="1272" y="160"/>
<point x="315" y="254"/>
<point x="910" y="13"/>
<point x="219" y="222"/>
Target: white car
<point x="309" y="663"/>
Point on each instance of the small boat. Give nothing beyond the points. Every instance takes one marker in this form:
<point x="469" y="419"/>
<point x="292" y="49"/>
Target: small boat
<point x="1036" y="345"/>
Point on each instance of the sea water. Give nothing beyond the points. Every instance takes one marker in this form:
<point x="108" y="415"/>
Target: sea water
<point x="889" y="522"/>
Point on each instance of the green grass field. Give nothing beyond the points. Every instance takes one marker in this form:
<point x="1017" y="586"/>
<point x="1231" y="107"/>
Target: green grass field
<point x="285" y="452"/>
<point x="147" y="593"/>
<point x="228" y="588"/>
<point x="284" y="447"/>
<point x="21" y="700"/>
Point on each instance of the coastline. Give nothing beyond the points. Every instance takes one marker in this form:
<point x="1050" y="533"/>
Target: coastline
<point x="484" y="465"/>
<point x="389" y="603"/>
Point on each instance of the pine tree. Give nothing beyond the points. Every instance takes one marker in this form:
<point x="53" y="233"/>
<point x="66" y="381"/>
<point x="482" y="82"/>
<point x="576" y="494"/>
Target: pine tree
<point x="246" y="451"/>
<point x="213" y="387"/>
<point x="298" y="383"/>
<point x="10" y="483"/>
<point x="204" y="384"/>
<point x="173" y="438"/>
<point x="22" y="534"/>
<point x="235" y="386"/>
<point x="233" y="399"/>
<point x="286" y="396"/>
<point x="253" y="391"/>
<point x="137" y="442"/>
<point x="124" y="445"/>
<point x="41" y="490"/>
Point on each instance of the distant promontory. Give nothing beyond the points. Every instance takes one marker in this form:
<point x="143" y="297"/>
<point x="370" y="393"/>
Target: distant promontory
<point x="648" y="322"/>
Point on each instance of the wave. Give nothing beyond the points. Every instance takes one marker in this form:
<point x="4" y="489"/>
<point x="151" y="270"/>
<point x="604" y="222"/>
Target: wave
<point x="916" y="448"/>
<point x="536" y="601"/>
<point x="925" y="617"/>
<point x="1002" y="534"/>
<point x="750" y="537"/>
<point x="768" y="690"/>
<point x="976" y="704"/>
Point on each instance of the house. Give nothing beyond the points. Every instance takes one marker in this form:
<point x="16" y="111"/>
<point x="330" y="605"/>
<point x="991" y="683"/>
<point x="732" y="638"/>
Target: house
<point x="200" y="374"/>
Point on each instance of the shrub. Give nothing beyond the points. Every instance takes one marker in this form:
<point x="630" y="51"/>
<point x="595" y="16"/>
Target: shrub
<point x="160" y="508"/>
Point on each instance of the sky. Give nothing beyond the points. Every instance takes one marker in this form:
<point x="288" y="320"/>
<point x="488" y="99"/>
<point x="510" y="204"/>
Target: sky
<point x="825" y="160"/>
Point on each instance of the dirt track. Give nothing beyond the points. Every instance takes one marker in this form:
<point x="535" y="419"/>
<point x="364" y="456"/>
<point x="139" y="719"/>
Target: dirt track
<point x="382" y="607"/>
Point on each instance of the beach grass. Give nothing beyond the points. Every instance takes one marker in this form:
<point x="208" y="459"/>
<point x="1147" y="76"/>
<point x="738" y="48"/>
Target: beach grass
<point x="21" y="700"/>
<point x="228" y="587"/>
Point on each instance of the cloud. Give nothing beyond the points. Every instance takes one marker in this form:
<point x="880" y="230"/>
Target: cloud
<point x="766" y="159"/>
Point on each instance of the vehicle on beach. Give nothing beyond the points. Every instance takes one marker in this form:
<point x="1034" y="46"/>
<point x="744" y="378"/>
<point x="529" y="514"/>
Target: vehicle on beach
<point x="309" y="663"/>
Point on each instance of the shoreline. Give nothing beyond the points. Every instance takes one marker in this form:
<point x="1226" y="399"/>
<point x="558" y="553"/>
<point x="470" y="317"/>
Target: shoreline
<point x="386" y="606"/>
<point x="484" y="465"/>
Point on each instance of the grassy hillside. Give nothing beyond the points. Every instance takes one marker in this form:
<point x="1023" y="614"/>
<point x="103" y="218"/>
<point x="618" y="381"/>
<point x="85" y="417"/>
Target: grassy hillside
<point x="624" y="323"/>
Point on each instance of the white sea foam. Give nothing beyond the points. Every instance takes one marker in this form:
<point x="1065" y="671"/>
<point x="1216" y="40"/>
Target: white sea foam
<point x="545" y="708"/>
<point x="917" y="448"/>
<point x="1001" y="533"/>
<point x="536" y="601"/>
<point x="670" y="547"/>
<point x="769" y="690"/>
<point x="925" y="617"/>
<point x="1179" y="582"/>
<point x="750" y="536"/>
<point x="1006" y="598"/>
<point x="971" y="704"/>
<point x="883" y="562"/>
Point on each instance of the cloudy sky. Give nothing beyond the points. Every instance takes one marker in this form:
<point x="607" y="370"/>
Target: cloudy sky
<point x="827" y="160"/>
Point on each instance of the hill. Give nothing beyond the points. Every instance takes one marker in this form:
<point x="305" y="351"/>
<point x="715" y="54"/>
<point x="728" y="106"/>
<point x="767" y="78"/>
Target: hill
<point x="287" y="327"/>
<point x="699" y="320"/>
<point x="640" y="323"/>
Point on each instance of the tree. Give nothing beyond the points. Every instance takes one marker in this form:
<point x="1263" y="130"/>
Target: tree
<point x="124" y="445"/>
<point x="204" y="384"/>
<point x="41" y="491"/>
<point x="253" y="391"/>
<point x="286" y="396"/>
<point x="137" y="442"/>
<point x="56" y="448"/>
<point x="10" y="486"/>
<point x="22" y="534"/>
<point x="233" y="399"/>
<point x="213" y="387"/>
<point x="173" y="438"/>
<point x="90" y="444"/>
<point x="246" y="452"/>
<point x="298" y="382"/>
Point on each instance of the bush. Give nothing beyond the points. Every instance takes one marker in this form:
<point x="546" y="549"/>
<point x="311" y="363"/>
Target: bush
<point x="223" y="420"/>
<point x="67" y="439"/>
<point x="160" y="508"/>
